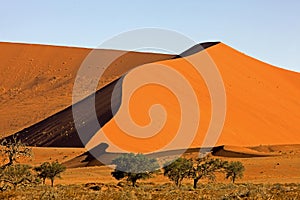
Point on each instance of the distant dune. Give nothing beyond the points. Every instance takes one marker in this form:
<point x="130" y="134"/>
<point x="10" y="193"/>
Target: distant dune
<point x="239" y="152"/>
<point x="88" y="158"/>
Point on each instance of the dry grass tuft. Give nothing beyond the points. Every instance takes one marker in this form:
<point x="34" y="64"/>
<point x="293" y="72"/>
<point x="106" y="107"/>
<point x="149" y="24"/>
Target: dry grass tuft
<point x="155" y="191"/>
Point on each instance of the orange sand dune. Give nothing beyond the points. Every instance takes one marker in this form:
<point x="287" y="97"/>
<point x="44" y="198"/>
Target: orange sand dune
<point x="59" y="130"/>
<point x="262" y="100"/>
<point x="262" y="108"/>
<point x="36" y="80"/>
<point x="262" y="104"/>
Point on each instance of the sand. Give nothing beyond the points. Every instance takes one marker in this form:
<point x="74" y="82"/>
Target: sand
<point x="283" y="168"/>
<point x="37" y="80"/>
<point x="262" y="118"/>
<point x="262" y="104"/>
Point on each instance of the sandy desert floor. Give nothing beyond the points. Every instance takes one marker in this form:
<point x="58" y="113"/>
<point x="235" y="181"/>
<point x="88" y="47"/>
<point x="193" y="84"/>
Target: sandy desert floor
<point x="278" y="169"/>
<point x="282" y="168"/>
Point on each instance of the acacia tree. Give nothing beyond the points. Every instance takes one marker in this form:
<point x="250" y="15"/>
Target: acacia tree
<point x="13" y="149"/>
<point x="42" y="171"/>
<point x="134" y="167"/>
<point x="50" y="170"/>
<point x="205" y="168"/>
<point x="178" y="170"/>
<point x="234" y="170"/>
<point x="15" y="175"/>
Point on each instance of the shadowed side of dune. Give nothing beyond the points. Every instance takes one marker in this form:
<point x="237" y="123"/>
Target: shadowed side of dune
<point x="36" y="81"/>
<point x="98" y="156"/>
<point x="59" y="130"/>
<point x="196" y="49"/>
<point x="34" y="103"/>
<point x="238" y="152"/>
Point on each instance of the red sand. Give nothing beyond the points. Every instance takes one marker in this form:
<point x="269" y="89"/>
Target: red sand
<point x="262" y="107"/>
<point x="36" y="81"/>
<point x="278" y="169"/>
<point x="262" y="104"/>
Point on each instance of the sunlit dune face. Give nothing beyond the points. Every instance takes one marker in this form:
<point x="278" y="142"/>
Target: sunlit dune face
<point x="161" y="103"/>
<point x="261" y="105"/>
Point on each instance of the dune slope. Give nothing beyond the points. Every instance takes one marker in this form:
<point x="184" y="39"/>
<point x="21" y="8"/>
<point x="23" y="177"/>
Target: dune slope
<point x="262" y="105"/>
<point x="59" y="130"/>
<point x="36" y="80"/>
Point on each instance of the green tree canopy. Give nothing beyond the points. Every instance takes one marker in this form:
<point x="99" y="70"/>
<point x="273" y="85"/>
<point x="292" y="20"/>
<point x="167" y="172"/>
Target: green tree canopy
<point x="234" y="170"/>
<point x="15" y="175"/>
<point x="50" y="170"/>
<point x="134" y="167"/>
<point x="178" y="170"/>
<point x="205" y="168"/>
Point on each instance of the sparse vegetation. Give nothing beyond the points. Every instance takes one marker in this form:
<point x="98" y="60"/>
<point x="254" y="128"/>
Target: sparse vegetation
<point x="12" y="150"/>
<point x="14" y="175"/>
<point x="202" y="168"/>
<point x="50" y="170"/>
<point x="157" y="191"/>
<point x="134" y="167"/>
<point x="178" y="170"/>
<point x="205" y="167"/>
<point x="234" y="170"/>
<point x="42" y="171"/>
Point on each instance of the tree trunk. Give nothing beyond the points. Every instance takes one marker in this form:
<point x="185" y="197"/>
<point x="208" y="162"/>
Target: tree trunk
<point x="195" y="183"/>
<point x="11" y="160"/>
<point x="233" y="178"/>
<point x="133" y="182"/>
<point x="52" y="182"/>
<point x="177" y="182"/>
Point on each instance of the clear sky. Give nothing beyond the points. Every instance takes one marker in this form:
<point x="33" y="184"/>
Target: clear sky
<point x="268" y="30"/>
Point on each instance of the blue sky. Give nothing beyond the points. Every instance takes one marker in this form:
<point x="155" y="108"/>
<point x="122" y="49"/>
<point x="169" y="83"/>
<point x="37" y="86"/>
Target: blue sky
<point x="265" y="29"/>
